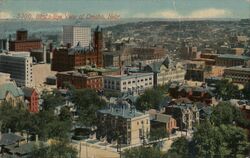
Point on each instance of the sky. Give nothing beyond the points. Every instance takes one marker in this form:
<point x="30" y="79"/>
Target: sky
<point x="131" y="8"/>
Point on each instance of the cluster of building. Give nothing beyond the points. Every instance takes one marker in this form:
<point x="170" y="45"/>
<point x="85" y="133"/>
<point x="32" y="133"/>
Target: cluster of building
<point x="87" y="59"/>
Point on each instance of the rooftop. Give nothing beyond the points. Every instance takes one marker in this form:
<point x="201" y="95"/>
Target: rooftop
<point x="10" y="87"/>
<point x="239" y="68"/>
<point x="129" y="76"/>
<point x="9" y="139"/>
<point x="122" y="109"/>
<point x="232" y="56"/>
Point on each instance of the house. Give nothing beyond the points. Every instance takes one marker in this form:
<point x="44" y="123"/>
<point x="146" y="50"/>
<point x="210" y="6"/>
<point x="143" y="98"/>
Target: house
<point x="13" y="145"/>
<point x="194" y="93"/>
<point x="186" y="115"/>
<point x="32" y="97"/>
<point x="163" y="121"/>
<point x="122" y="122"/>
<point x="9" y="92"/>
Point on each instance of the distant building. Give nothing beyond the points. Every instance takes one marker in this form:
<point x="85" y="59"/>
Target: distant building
<point x="238" y="74"/>
<point x="195" y="71"/>
<point x="76" y="34"/>
<point x="230" y="60"/>
<point x="165" y="72"/>
<point x="32" y="97"/>
<point x="111" y="59"/>
<point x="123" y="122"/>
<point x="19" y="68"/>
<point x="163" y="121"/>
<point x="208" y="58"/>
<point x="131" y="56"/>
<point x="136" y="82"/>
<point x="80" y="80"/>
<point x="22" y="43"/>
<point x="197" y="94"/>
<point x="188" y="52"/>
<point x="67" y="59"/>
<point x="186" y="115"/>
<point x="3" y="44"/>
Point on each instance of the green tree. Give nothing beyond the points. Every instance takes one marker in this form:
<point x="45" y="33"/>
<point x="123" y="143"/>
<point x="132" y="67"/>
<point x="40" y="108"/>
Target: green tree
<point x="158" y="133"/>
<point x="226" y="113"/>
<point x="208" y="142"/>
<point x="227" y="90"/>
<point x="151" y="99"/>
<point x="235" y="139"/>
<point x="87" y="103"/>
<point x="60" y="149"/>
<point x="180" y="148"/>
<point x="52" y="99"/>
<point x="142" y="152"/>
<point x="246" y="91"/>
<point x="65" y="114"/>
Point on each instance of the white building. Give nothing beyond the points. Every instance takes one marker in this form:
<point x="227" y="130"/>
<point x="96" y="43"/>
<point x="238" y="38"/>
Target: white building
<point x="135" y="82"/>
<point x="165" y="72"/>
<point x="75" y="34"/>
<point x="19" y="67"/>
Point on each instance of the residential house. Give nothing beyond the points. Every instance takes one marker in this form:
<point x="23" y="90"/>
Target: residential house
<point x="32" y="97"/>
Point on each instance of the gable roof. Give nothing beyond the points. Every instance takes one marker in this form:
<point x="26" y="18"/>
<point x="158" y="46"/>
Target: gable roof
<point x="9" y="138"/>
<point x="11" y="88"/>
<point x="27" y="91"/>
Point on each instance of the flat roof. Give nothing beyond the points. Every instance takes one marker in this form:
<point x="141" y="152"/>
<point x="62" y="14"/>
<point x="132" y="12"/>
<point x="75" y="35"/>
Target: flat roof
<point x="232" y="56"/>
<point x="122" y="112"/>
<point x="132" y="75"/>
<point x="239" y="68"/>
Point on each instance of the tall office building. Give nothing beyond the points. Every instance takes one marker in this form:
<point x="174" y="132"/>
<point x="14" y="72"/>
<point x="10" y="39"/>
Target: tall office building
<point x="19" y="67"/>
<point x="74" y="34"/>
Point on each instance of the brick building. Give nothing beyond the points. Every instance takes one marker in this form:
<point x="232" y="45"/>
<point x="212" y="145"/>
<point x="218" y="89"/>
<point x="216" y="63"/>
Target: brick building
<point x="230" y="60"/>
<point x="22" y="43"/>
<point x="238" y="74"/>
<point x="67" y="59"/>
<point x="195" y="71"/>
<point x="32" y="97"/>
<point x="80" y="80"/>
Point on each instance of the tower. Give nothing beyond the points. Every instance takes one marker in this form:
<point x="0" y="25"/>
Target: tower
<point x="98" y="45"/>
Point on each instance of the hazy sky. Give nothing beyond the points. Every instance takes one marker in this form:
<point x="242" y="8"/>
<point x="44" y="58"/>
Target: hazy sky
<point x="132" y="8"/>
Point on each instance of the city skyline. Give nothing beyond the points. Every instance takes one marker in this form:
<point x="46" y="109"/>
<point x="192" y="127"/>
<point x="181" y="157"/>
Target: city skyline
<point x="171" y="9"/>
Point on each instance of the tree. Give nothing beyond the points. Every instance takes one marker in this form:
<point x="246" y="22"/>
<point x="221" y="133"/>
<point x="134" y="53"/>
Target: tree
<point x="87" y="103"/>
<point x="179" y="147"/>
<point x="246" y="91"/>
<point x="158" y="133"/>
<point x="151" y="99"/>
<point x="236" y="140"/>
<point x="226" y="113"/>
<point x="59" y="149"/>
<point x="142" y="152"/>
<point x="65" y="114"/>
<point x="227" y="90"/>
<point x="52" y="100"/>
<point x="207" y="141"/>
